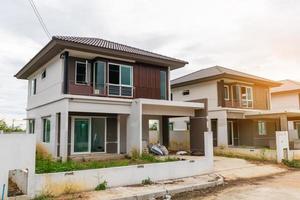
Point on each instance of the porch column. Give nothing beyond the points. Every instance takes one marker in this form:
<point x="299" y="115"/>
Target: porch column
<point x="134" y="128"/>
<point x="64" y="127"/>
<point x="222" y="131"/>
<point x="283" y="123"/>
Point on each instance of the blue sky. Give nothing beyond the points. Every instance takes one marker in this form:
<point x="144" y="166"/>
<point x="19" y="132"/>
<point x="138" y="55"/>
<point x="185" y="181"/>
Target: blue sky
<point x="255" y="36"/>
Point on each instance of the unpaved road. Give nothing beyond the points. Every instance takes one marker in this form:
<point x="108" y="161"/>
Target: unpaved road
<point x="277" y="187"/>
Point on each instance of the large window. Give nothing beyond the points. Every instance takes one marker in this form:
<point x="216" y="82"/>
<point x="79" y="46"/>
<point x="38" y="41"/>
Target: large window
<point x="262" y="128"/>
<point x="81" y="73"/>
<point x="46" y="130"/>
<point x="163" y="85"/>
<point x="31" y="126"/>
<point x="120" y="80"/>
<point x="33" y="87"/>
<point x="247" y="97"/>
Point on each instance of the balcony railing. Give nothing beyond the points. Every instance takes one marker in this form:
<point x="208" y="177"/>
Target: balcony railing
<point x="120" y="90"/>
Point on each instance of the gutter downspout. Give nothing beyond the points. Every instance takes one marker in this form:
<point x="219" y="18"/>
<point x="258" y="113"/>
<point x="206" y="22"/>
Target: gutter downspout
<point x="66" y="73"/>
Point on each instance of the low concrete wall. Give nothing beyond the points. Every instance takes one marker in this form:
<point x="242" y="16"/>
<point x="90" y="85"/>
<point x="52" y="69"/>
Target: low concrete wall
<point x="84" y="180"/>
<point x="295" y="154"/>
<point x="255" y="153"/>
<point x="17" y="152"/>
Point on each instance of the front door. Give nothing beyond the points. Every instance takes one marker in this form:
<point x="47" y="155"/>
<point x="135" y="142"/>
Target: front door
<point x="98" y="135"/>
<point x="214" y="129"/>
<point x="232" y="133"/>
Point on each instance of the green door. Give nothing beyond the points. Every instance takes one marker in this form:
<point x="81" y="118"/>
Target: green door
<point x="81" y="135"/>
<point x="98" y="135"/>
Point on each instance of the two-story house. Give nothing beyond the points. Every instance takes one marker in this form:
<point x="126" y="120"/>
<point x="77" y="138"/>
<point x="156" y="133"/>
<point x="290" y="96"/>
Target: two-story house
<point x="286" y="98"/>
<point x="89" y="96"/>
<point x="238" y="105"/>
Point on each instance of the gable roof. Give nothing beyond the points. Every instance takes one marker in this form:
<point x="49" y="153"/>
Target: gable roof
<point x="96" y="45"/>
<point x="287" y="86"/>
<point x="217" y="72"/>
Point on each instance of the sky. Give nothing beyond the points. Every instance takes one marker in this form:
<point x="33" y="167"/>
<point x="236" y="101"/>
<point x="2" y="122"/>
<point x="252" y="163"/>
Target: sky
<point x="254" y="36"/>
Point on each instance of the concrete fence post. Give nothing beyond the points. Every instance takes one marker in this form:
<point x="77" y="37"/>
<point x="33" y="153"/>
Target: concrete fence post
<point x="208" y="145"/>
<point x="282" y="145"/>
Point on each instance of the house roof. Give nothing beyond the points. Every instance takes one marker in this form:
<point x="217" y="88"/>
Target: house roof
<point x="96" y="45"/>
<point x="217" y="72"/>
<point x="287" y="86"/>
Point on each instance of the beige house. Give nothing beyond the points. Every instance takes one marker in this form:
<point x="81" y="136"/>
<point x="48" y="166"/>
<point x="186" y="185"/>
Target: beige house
<point x="239" y="107"/>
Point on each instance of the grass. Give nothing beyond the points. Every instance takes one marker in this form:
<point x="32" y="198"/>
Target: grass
<point x="44" y="164"/>
<point x="101" y="186"/>
<point x="293" y="163"/>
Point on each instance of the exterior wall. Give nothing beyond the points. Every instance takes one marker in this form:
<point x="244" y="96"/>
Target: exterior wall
<point x="279" y="101"/>
<point x="50" y="110"/>
<point x="221" y="116"/>
<point x="198" y="91"/>
<point x="86" y="180"/>
<point x="49" y="88"/>
<point x="146" y="79"/>
<point x="17" y="152"/>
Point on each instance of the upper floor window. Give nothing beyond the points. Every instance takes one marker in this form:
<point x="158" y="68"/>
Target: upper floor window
<point x="120" y="80"/>
<point x="81" y="73"/>
<point x="163" y="85"/>
<point x="247" y="96"/>
<point x="33" y="87"/>
<point x="226" y="92"/>
<point x="44" y="74"/>
<point x="185" y="92"/>
<point x="262" y="130"/>
<point x="46" y="129"/>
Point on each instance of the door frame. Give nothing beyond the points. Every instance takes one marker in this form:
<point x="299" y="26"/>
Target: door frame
<point x="89" y="134"/>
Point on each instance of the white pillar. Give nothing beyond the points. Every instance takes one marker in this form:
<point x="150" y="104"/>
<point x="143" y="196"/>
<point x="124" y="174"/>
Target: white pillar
<point x="64" y="126"/>
<point x="222" y="132"/>
<point x="134" y="128"/>
<point x="282" y="145"/>
<point x="208" y="145"/>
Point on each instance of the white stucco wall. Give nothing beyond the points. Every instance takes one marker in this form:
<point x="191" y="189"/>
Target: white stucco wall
<point x="84" y="180"/>
<point x="49" y="88"/>
<point x="285" y="101"/>
<point x="221" y="116"/>
<point x="198" y="91"/>
<point x="17" y="152"/>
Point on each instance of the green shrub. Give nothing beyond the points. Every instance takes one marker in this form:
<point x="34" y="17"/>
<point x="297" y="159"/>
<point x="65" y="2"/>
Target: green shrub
<point x="147" y="181"/>
<point x="293" y="163"/>
<point x="43" y="197"/>
<point x="101" y="186"/>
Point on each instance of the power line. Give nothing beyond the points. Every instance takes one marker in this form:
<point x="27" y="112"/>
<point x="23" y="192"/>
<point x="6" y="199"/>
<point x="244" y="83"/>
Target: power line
<point x="37" y="14"/>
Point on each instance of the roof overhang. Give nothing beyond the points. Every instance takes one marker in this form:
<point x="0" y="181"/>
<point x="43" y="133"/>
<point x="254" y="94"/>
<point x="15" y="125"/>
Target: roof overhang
<point x="229" y="76"/>
<point x="56" y="46"/>
<point x="272" y="114"/>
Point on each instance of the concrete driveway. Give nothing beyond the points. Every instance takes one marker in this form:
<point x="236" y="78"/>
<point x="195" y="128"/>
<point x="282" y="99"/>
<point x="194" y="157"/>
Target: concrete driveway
<point x="235" y="168"/>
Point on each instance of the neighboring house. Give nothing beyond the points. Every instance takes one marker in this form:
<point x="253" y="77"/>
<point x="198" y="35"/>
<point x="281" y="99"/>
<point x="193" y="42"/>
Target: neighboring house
<point x="286" y="98"/>
<point x="235" y="102"/>
<point x="88" y="96"/>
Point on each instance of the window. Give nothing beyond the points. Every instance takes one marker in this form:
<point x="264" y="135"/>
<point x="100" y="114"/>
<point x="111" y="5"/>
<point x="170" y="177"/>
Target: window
<point x="171" y="126"/>
<point x="120" y="80"/>
<point x="33" y="86"/>
<point x="262" y="128"/>
<point x="226" y="92"/>
<point x="99" y="77"/>
<point x="236" y="93"/>
<point x="185" y="92"/>
<point x="46" y="130"/>
<point x="247" y="97"/>
<point x="31" y="126"/>
<point x="163" y="85"/>
<point x="44" y="74"/>
<point x="81" y="73"/>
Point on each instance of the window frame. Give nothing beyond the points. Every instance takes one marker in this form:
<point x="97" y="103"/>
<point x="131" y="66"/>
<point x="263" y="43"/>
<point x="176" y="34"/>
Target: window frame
<point x="262" y="130"/>
<point x="247" y="100"/>
<point x="226" y="87"/>
<point x="120" y="79"/>
<point x="94" y="75"/>
<point x="86" y="72"/>
<point x="31" y="129"/>
<point x="44" y="121"/>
